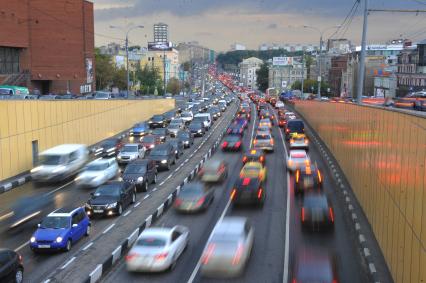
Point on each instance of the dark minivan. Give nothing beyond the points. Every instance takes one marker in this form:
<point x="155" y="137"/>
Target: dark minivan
<point x="294" y="126"/>
<point x="11" y="266"/>
<point x="141" y="173"/>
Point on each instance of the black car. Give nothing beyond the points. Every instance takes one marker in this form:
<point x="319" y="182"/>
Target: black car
<point x="157" y="121"/>
<point x="111" y="198"/>
<point x="160" y="132"/>
<point x="186" y="137"/>
<point x="194" y="197"/>
<point x="177" y="146"/>
<point x="197" y="129"/>
<point x="315" y="265"/>
<point x="109" y="147"/>
<point x="307" y="177"/>
<point x="232" y="143"/>
<point x="163" y="155"/>
<point x="11" y="266"/>
<point x="295" y="126"/>
<point x="235" y="129"/>
<point x="316" y="212"/>
<point x="141" y="173"/>
<point x="248" y="191"/>
<point x="168" y="116"/>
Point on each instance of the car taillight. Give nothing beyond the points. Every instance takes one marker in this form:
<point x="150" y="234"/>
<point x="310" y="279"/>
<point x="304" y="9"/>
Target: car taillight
<point x="287" y="130"/>
<point x="331" y="214"/>
<point x="237" y="255"/>
<point x="319" y="176"/>
<point x="297" y="176"/>
<point x="272" y="141"/>
<point x="20" y="259"/>
<point x="259" y="193"/>
<point x="237" y="144"/>
<point x="225" y="144"/>
<point x="201" y="201"/>
<point x="254" y="141"/>
<point x="303" y="214"/>
<point x="245" y="159"/>
<point x="262" y="159"/>
<point x="233" y="193"/>
<point x="178" y="202"/>
<point x="306" y="141"/>
<point x="131" y="257"/>
<point x="208" y="253"/>
<point x="161" y="256"/>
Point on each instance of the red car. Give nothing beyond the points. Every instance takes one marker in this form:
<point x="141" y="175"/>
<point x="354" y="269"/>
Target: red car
<point x="150" y="141"/>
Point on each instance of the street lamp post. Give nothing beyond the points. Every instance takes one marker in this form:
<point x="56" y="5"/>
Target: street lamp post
<point x="127" y="50"/>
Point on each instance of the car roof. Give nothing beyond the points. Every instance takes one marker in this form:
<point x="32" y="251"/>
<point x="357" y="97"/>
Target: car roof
<point x="298" y="152"/>
<point x="157" y="231"/>
<point x="131" y="144"/>
<point x="100" y="161"/>
<point x="64" y="211"/>
<point x="63" y="149"/>
<point x="230" y="223"/>
<point x="140" y="162"/>
<point x="253" y="152"/>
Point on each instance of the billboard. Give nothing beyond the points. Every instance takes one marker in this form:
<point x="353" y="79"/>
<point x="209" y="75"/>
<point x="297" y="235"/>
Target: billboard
<point x="160" y="46"/>
<point x="282" y="61"/>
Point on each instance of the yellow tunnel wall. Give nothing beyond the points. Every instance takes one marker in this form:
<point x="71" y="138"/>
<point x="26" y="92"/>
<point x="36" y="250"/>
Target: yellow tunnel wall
<point x="57" y="122"/>
<point x="382" y="153"/>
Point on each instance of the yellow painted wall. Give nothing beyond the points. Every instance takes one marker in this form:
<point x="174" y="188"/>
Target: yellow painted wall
<point x="383" y="155"/>
<point x="59" y="122"/>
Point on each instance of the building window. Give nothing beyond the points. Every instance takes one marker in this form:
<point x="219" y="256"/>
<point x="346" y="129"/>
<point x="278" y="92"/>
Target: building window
<point x="9" y="60"/>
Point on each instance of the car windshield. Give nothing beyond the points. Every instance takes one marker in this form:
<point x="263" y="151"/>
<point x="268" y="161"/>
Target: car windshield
<point x="139" y="126"/>
<point x="174" y="126"/>
<point x="151" y="242"/>
<point x="195" y="126"/>
<point x="186" y="114"/>
<point x="135" y="169"/>
<point x="295" y="126"/>
<point x="109" y="143"/>
<point x="97" y="167"/>
<point x="47" y="159"/>
<point x="5" y="91"/>
<point x="183" y="135"/>
<point x="263" y="137"/>
<point x="158" y="132"/>
<point x="315" y="201"/>
<point x="191" y="191"/>
<point x="55" y="222"/>
<point x="108" y="190"/>
<point x="232" y="138"/>
<point x="157" y="118"/>
<point x="148" y="139"/>
<point x="159" y="152"/>
<point x="130" y="148"/>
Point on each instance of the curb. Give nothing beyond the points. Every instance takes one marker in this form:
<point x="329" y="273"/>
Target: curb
<point x="16" y="182"/>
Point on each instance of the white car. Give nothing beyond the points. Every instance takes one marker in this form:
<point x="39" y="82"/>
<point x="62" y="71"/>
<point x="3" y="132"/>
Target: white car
<point x="187" y="116"/>
<point x="130" y="152"/>
<point x="296" y="159"/>
<point x="279" y="104"/>
<point x="97" y="173"/>
<point x="157" y="249"/>
<point x="228" y="248"/>
<point x="299" y="141"/>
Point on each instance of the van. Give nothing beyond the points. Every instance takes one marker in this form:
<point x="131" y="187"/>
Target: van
<point x="205" y="118"/>
<point x="13" y="90"/>
<point x="295" y="126"/>
<point x="60" y="162"/>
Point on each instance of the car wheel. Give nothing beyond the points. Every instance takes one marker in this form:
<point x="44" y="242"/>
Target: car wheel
<point x="173" y="265"/>
<point x="174" y="161"/>
<point x="155" y="179"/>
<point x="145" y="187"/>
<point x="68" y="246"/>
<point x="88" y="230"/>
<point x="19" y="275"/>
<point x="134" y="197"/>
<point x="119" y="209"/>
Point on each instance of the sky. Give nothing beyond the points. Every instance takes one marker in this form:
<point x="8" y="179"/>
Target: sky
<point x="218" y="24"/>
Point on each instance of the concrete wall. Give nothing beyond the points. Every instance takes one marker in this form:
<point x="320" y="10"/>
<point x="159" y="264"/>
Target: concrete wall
<point x="383" y="155"/>
<point x="58" y="122"/>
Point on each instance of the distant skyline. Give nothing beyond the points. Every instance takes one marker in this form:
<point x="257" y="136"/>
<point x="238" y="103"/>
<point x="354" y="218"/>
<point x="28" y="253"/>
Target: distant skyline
<point x="219" y="23"/>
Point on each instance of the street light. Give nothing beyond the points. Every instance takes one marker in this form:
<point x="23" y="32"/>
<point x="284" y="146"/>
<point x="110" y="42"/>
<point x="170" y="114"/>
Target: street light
<point x="127" y="49"/>
<point x="321" y="32"/>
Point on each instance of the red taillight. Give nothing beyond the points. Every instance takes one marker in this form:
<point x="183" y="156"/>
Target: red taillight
<point x="237" y="255"/>
<point x="178" y="202"/>
<point x="208" y="253"/>
<point x="255" y="142"/>
<point x="259" y="193"/>
<point x="287" y="130"/>
<point x="319" y="176"/>
<point x="20" y="259"/>
<point x="303" y="214"/>
<point x="331" y="214"/>
<point x="161" y="256"/>
<point x="233" y="193"/>
<point x="225" y="144"/>
<point x="237" y="144"/>
<point x="246" y="181"/>
<point x="272" y="141"/>
<point x="245" y="159"/>
<point x="297" y="176"/>
<point x="201" y="201"/>
<point x="131" y="256"/>
<point x="262" y="159"/>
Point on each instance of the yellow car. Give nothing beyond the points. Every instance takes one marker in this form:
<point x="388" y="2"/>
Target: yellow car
<point x="253" y="170"/>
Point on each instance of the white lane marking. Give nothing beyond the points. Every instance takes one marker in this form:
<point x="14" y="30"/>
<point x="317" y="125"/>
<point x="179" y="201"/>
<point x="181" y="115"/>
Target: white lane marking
<point x="109" y="228"/>
<point x="186" y="160"/>
<point x="60" y="188"/>
<point x="127" y="213"/>
<point x="21" y="246"/>
<point x="87" y="246"/>
<point x="197" y="267"/>
<point x="138" y="203"/>
<point x="144" y="198"/>
<point x="154" y="189"/>
<point x="162" y="183"/>
<point x="68" y="262"/>
<point x="46" y="281"/>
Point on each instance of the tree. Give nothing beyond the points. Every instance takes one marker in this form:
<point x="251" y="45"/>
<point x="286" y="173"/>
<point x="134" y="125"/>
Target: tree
<point x="149" y="78"/>
<point x="119" y="78"/>
<point x="262" y="77"/>
<point x="173" y="86"/>
<point x="309" y="60"/>
<point x="104" y="70"/>
<point x="311" y="86"/>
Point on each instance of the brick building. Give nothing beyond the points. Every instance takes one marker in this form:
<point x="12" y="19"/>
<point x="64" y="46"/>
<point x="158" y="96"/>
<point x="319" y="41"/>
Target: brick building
<point x="47" y="45"/>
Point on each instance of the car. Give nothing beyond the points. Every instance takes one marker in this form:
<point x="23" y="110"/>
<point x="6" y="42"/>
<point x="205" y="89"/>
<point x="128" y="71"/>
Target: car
<point x="194" y="197"/>
<point x="296" y="159"/>
<point x="265" y="123"/>
<point x="161" y="133"/>
<point x="157" y="249"/>
<point x="228" y="249"/>
<point x="307" y="177"/>
<point x="173" y="129"/>
<point x="314" y="265"/>
<point x="157" y="121"/>
<point x="281" y="121"/>
<point x="177" y="146"/>
<point x="316" y="212"/>
<point x="248" y="191"/>
<point x="139" y="129"/>
<point x="187" y="117"/>
<point x="141" y="173"/>
<point x="204" y="118"/>
<point x="240" y="121"/>
<point x="186" y="138"/>
<point x="109" y="147"/>
<point x="177" y="121"/>
<point x="214" y="170"/>
<point x="164" y="156"/>
<point x="197" y="129"/>
<point x="150" y="141"/>
<point x="11" y="266"/>
<point x="294" y="126"/>
<point x="169" y="116"/>
<point x="299" y="141"/>
<point x="130" y="152"/>
<point x="60" y="229"/>
<point x="216" y="111"/>
<point x="97" y="173"/>
<point x="279" y="104"/>
<point x="263" y="141"/>
<point x="254" y="155"/>
<point x="253" y="170"/>
<point x="111" y="199"/>
<point x="232" y="143"/>
<point x="245" y="116"/>
<point x="235" y="129"/>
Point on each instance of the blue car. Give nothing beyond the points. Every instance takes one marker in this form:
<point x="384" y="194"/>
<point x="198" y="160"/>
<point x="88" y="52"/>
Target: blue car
<point x="140" y="129"/>
<point x="60" y="230"/>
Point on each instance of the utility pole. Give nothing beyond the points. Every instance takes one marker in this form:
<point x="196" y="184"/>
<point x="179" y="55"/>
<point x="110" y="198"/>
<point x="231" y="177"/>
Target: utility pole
<point x="319" y="69"/>
<point x="164" y="71"/>
<point x="361" y="70"/>
<point x="303" y="69"/>
<point x="127" y="63"/>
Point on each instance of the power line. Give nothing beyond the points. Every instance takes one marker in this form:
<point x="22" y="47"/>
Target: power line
<point x="356" y="2"/>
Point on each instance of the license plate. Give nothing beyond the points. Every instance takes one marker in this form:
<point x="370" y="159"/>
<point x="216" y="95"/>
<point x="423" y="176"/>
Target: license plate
<point x="44" y="246"/>
<point x="98" y="211"/>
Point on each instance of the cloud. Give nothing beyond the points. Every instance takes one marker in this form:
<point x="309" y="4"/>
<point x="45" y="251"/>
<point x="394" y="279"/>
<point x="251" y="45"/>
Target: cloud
<point x="272" y="26"/>
<point x="203" y="33"/>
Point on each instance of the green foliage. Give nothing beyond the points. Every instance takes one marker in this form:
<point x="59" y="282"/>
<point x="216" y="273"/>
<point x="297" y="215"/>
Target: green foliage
<point x="262" y="77"/>
<point x="308" y="85"/>
<point x="119" y="78"/>
<point x="150" y="79"/>
<point x="173" y="86"/>
<point x="107" y="74"/>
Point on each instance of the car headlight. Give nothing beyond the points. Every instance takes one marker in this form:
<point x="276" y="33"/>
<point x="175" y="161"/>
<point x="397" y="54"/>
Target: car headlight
<point x="110" y="149"/>
<point x="140" y="180"/>
<point x="36" y="169"/>
<point x="58" y="169"/>
<point x="59" y="239"/>
<point x="119" y="157"/>
<point x="199" y="131"/>
<point x="77" y="178"/>
<point x="176" y="151"/>
<point x="163" y="161"/>
<point x="33" y="239"/>
<point x="151" y="146"/>
<point x="112" y="205"/>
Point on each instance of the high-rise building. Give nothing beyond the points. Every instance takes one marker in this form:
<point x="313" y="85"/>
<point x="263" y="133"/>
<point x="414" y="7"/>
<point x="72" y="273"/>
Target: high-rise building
<point x="161" y="33"/>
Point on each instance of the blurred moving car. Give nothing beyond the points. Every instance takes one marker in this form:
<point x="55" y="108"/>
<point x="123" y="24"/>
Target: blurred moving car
<point x="111" y="198"/>
<point x="263" y="141"/>
<point x="186" y="138"/>
<point x="97" y="173"/>
<point x="194" y="197"/>
<point x="228" y="249"/>
<point x="130" y="152"/>
<point x="253" y="170"/>
<point x="150" y="141"/>
<point x="197" y="129"/>
<point x="307" y="177"/>
<point x="235" y="129"/>
<point x="161" y="133"/>
<point x="141" y="173"/>
<point x="296" y="159"/>
<point x="109" y="147"/>
<point x="314" y="266"/>
<point x="254" y="155"/>
<point x="299" y="141"/>
<point x="60" y="230"/>
<point x="232" y="143"/>
<point x="157" y="121"/>
<point x="214" y="170"/>
<point x="316" y="212"/>
<point x="164" y="156"/>
<point x="140" y="129"/>
<point x="265" y="123"/>
<point x="248" y="190"/>
<point x="11" y="266"/>
<point x="157" y="249"/>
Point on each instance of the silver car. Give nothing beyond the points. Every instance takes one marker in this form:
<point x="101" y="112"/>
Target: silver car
<point x="97" y="173"/>
<point x="173" y="129"/>
<point x="264" y="140"/>
<point x="130" y="152"/>
<point x="228" y="248"/>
